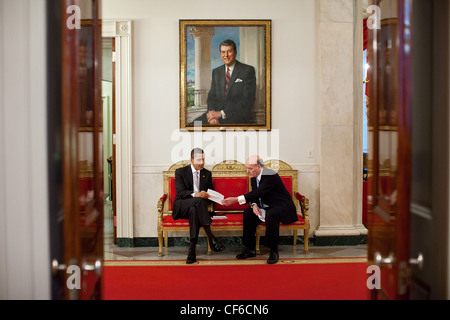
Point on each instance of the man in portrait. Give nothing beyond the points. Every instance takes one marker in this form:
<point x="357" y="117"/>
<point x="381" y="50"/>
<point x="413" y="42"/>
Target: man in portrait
<point x="233" y="87"/>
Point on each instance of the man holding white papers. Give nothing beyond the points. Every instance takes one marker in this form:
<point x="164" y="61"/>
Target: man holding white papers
<point x="215" y="196"/>
<point x="191" y="201"/>
<point x="270" y="202"/>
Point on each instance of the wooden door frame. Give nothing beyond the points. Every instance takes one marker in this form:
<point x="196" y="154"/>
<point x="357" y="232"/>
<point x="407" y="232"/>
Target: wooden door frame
<point x="120" y="30"/>
<point x="113" y="132"/>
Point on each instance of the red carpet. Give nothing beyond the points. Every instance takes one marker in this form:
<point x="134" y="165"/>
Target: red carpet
<point x="296" y="279"/>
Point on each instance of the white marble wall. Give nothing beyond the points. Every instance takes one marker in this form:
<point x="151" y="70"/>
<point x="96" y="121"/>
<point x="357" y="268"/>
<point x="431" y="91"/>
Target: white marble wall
<point x="340" y="46"/>
<point x="155" y="99"/>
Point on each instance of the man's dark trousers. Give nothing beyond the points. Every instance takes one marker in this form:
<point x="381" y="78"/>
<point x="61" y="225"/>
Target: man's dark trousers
<point x="251" y="222"/>
<point x="196" y="210"/>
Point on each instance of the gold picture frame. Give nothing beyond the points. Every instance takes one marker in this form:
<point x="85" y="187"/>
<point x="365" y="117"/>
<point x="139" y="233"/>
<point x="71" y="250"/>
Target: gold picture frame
<point x="247" y="103"/>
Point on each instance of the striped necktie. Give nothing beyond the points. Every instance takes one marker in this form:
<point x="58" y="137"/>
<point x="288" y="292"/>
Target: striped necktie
<point x="260" y="202"/>
<point x="197" y="181"/>
<point x="227" y="81"/>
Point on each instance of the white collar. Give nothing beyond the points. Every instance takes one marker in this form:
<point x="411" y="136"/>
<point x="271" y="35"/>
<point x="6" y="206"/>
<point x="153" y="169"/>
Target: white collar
<point x="193" y="169"/>
<point x="231" y="67"/>
<point x="260" y="175"/>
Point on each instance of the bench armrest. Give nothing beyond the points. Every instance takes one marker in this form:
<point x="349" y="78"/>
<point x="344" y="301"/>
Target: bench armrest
<point x="304" y="205"/>
<point x="160" y="207"/>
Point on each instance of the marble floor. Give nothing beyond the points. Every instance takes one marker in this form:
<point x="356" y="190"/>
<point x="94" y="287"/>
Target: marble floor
<point x="114" y="253"/>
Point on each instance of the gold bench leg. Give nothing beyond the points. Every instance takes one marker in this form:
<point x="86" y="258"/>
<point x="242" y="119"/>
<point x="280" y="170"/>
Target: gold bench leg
<point x="160" y="243"/>
<point x="209" y="247"/>
<point x="295" y="237"/>
<point x="258" y="236"/>
<point x="166" y="239"/>
<point x="306" y="237"/>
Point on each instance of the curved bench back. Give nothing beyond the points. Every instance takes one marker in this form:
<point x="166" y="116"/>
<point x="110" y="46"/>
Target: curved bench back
<point x="230" y="179"/>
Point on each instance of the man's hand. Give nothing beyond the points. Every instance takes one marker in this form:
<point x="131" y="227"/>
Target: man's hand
<point x="256" y="209"/>
<point x="214" y="121"/>
<point x="202" y="194"/>
<point x="229" y="201"/>
<point x="213" y="115"/>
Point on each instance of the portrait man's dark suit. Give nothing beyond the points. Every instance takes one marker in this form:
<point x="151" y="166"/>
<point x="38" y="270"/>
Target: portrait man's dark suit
<point x="237" y="102"/>
<point x="278" y="204"/>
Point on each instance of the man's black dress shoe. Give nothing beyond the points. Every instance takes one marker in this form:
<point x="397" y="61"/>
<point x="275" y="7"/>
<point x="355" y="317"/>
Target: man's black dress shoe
<point x="191" y="258"/>
<point x="273" y="257"/>
<point x="216" y="245"/>
<point x="246" y="253"/>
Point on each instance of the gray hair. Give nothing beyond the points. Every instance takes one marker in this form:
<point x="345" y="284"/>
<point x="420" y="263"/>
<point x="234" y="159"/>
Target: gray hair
<point x="260" y="161"/>
<point x="256" y="160"/>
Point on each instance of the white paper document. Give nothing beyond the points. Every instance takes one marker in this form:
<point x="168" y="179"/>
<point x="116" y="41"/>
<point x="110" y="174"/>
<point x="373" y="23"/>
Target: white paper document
<point x="219" y="217"/>
<point x="262" y="216"/>
<point x="215" y="196"/>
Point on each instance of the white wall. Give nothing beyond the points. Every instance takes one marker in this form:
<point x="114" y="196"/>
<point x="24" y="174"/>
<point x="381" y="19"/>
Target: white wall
<point x="156" y="89"/>
<point x="24" y="241"/>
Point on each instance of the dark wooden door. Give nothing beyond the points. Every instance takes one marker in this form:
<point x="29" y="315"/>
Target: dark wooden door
<point x="409" y="100"/>
<point x="430" y="150"/>
<point x="78" y="263"/>
<point x="390" y="129"/>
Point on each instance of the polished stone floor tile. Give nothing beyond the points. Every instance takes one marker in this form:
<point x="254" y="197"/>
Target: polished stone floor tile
<point x="113" y="252"/>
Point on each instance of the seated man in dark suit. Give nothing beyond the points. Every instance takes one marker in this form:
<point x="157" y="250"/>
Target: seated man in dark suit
<point x="270" y="202"/>
<point x="233" y="89"/>
<point x="191" y="201"/>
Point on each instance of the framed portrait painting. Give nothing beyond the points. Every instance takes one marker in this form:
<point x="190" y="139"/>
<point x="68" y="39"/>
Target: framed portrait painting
<point x="225" y="74"/>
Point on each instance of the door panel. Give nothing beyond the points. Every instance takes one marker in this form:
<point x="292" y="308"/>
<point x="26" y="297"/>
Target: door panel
<point x="421" y="187"/>
<point x="430" y="160"/>
<point x="90" y="152"/>
<point x="389" y="125"/>
<point x="80" y="217"/>
<point x="55" y="152"/>
<point x="409" y="154"/>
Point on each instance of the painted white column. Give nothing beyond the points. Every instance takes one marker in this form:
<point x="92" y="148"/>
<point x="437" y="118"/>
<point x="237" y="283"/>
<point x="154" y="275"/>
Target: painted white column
<point x="252" y="45"/>
<point x="202" y="37"/>
<point x="121" y="30"/>
<point x="341" y="94"/>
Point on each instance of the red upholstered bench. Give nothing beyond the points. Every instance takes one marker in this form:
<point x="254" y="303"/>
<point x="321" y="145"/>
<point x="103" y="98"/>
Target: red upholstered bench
<point x="229" y="178"/>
